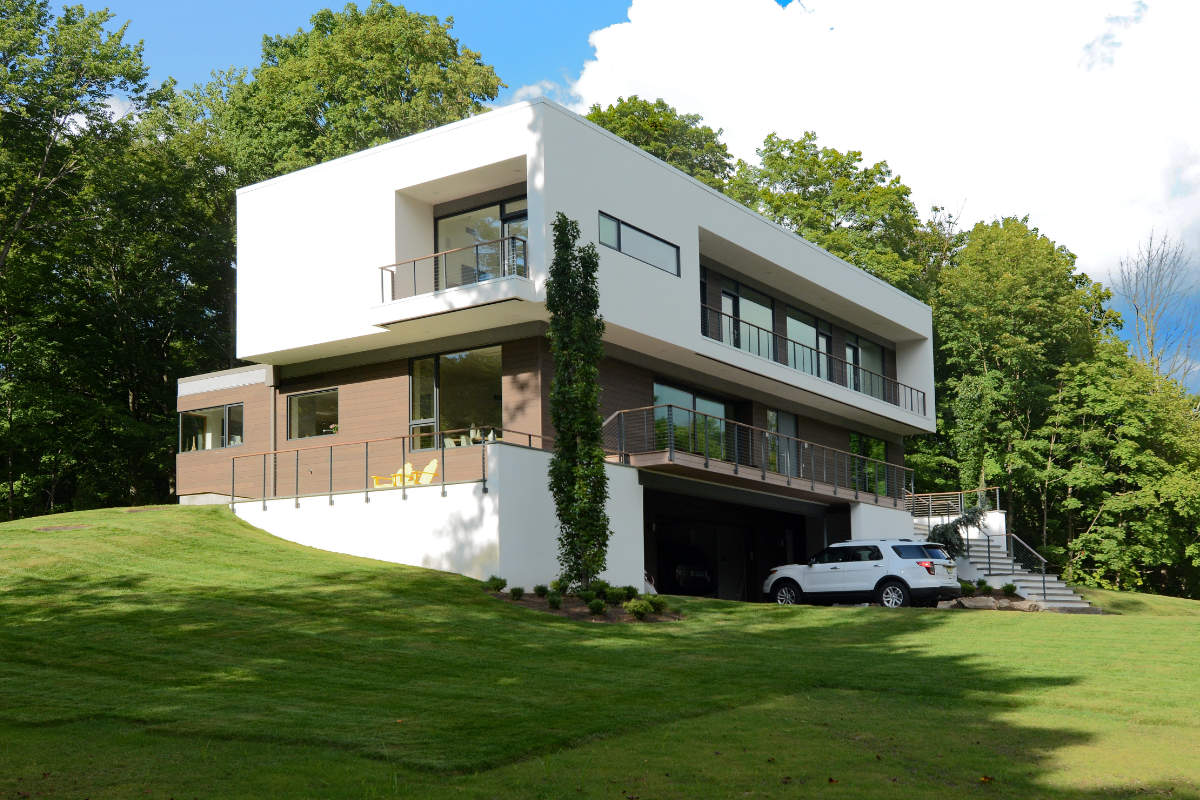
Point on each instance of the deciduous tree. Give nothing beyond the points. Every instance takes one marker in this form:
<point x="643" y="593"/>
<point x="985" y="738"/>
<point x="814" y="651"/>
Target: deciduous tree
<point x="678" y="139"/>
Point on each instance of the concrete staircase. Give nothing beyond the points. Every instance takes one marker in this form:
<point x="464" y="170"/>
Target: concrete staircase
<point x="988" y="559"/>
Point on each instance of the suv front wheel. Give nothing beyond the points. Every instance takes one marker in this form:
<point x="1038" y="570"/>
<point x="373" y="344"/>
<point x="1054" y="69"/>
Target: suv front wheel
<point x="893" y="594"/>
<point x="786" y="592"/>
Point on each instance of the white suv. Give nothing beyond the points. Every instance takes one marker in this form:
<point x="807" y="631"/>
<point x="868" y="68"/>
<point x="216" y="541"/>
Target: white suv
<point x="891" y="572"/>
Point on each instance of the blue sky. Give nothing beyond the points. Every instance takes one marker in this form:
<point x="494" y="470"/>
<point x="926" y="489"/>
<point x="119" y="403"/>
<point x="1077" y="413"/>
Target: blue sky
<point x="527" y="42"/>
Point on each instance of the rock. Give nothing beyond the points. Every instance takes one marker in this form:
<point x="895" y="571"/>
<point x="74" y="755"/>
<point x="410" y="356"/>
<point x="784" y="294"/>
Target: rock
<point x="1003" y="604"/>
<point x="945" y="604"/>
<point x="985" y="603"/>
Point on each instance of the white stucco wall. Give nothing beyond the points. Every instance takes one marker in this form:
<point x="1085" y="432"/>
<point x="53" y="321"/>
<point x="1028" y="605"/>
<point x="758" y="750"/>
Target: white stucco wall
<point x="310" y="244"/>
<point x="510" y="530"/>
<point x="457" y="533"/>
<point x="878" y="522"/>
<point x="529" y="527"/>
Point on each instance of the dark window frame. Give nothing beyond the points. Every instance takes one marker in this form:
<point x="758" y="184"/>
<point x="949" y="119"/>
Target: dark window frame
<point x="437" y="394"/>
<point x="620" y="222"/>
<point x="498" y="203"/>
<point x="290" y="438"/>
<point x="224" y="427"/>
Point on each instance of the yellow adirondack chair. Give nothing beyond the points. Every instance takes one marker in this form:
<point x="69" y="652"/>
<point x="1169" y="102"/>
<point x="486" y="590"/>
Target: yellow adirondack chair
<point x="407" y="477"/>
<point x="428" y="474"/>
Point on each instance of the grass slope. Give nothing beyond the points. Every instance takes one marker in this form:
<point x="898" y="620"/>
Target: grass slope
<point x="181" y="653"/>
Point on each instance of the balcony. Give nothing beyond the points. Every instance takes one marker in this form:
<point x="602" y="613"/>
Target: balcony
<point x="452" y="269"/>
<point x="772" y="346"/>
<point x="674" y="439"/>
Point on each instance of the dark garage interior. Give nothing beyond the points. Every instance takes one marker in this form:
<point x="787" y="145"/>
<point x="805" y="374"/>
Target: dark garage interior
<point x="716" y="541"/>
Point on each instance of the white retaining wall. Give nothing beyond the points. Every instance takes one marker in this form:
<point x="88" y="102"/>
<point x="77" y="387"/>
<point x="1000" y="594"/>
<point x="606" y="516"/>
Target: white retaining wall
<point x="879" y="522"/>
<point x="510" y="530"/>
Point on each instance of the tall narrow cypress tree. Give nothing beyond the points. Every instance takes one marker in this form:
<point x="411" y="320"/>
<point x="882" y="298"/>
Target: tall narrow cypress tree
<point x="577" y="478"/>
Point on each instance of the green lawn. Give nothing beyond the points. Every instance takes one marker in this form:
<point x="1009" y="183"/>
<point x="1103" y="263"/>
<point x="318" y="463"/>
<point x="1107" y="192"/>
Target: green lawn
<point x="180" y="653"/>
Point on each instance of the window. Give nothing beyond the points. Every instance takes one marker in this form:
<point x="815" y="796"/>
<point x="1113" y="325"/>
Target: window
<point x="783" y="452"/>
<point x="865" y="361"/>
<point x="457" y="395"/>
<point x="869" y="476"/>
<point x="488" y="242"/>
<point x="637" y="243"/>
<point x="698" y="421"/>
<point x="210" y="428"/>
<point x="313" y="414"/>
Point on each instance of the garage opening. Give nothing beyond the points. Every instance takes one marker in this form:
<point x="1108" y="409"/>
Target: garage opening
<point x="714" y="541"/>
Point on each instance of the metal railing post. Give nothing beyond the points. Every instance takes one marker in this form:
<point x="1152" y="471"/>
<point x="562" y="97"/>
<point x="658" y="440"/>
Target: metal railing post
<point x="482" y="465"/>
<point x="264" y="481"/>
<point x="764" y="456"/>
<point x="366" y="472"/>
<point x="442" y="442"/>
<point x="403" y="468"/>
<point x="670" y="433"/>
<point x="330" y="474"/>
<point x="707" y="433"/>
<point x="232" y="482"/>
<point x="622" y="458"/>
<point x="812" y="467"/>
<point x="296" y="494"/>
<point x="737" y="456"/>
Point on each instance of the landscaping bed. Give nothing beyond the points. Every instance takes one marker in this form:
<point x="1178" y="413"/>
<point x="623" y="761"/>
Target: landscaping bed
<point x="574" y="608"/>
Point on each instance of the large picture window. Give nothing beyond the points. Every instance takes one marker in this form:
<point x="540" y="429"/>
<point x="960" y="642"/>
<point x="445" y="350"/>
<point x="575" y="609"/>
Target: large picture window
<point x="486" y="243"/>
<point x="313" y="414"/>
<point x="869" y="476"/>
<point x="637" y="243"/>
<point x="456" y="395"/>
<point x="210" y="428"/>
<point x="698" y="422"/>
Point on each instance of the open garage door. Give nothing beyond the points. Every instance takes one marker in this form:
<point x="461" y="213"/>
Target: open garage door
<point x="713" y="541"/>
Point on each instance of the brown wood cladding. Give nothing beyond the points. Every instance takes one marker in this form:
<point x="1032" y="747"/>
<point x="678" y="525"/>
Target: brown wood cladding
<point x="201" y="471"/>
<point x="521" y="385"/>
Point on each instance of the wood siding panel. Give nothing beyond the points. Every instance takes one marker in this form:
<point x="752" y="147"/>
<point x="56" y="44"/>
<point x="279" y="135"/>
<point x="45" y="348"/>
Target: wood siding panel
<point x="521" y="386"/>
<point x="202" y="471"/>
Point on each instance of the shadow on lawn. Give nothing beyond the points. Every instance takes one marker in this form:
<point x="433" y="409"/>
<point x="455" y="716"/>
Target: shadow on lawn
<point x="425" y="672"/>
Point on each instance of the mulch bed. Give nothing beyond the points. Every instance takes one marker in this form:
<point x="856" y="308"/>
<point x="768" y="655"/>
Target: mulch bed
<point x="574" y="608"/>
<point x="63" y="528"/>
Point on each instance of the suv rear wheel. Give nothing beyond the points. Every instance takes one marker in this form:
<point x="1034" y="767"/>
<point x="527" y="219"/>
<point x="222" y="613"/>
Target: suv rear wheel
<point x="786" y="592"/>
<point x="893" y="594"/>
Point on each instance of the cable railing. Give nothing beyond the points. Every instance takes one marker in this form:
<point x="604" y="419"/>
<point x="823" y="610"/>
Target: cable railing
<point x="952" y="504"/>
<point x="772" y="346"/>
<point x="462" y="266"/>
<point x="441" y="458"/>
<point x="704" y="440"/>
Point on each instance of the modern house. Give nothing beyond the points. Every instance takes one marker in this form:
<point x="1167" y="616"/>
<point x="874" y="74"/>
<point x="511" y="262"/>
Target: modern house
<point x="755" y="389"/>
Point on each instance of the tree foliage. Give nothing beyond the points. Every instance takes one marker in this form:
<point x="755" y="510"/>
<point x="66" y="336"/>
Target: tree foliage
<point x="861" y="213"/>
<point x="354" y="80"/>
<point x="578" y="482"/>
<point x="678" y="139"/>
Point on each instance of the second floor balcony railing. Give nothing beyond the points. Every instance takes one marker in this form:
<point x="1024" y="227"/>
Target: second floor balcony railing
<point x="772" y="346"/>
<point x="693" y="438"/>
<point x="462" y="266"/>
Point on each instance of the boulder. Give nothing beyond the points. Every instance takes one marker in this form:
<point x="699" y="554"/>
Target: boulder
<point x="985" y="603"/>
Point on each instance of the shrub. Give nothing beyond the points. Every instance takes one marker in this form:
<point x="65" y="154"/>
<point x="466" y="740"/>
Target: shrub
<point x="968" y="588"/>
<point x="982" y="586"/>
<point x="599" y="587"/>
<point x="560" y="586"/>
<point x="631" y="593"/>
<point x="638" y="607"/>
<point x="554" y="600"/>
<point x="596" y="606"/>
<point x="615" y="595"/>
<point x="657" y="602"/>
<point x="495" y="584"/>
<point x="541" y="590"/>
<point x="1009" y="589"/>
<point x="517" y="592"/>
<point x="587" y="595"/>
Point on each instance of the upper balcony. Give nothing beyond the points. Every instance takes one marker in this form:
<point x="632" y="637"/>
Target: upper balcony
<point x="775" y="347"/>
<point x="452" y="269"/>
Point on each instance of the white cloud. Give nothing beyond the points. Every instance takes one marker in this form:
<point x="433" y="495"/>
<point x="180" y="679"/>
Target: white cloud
<point x="1079" y="113"/>
<point x="544" y="88"/>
